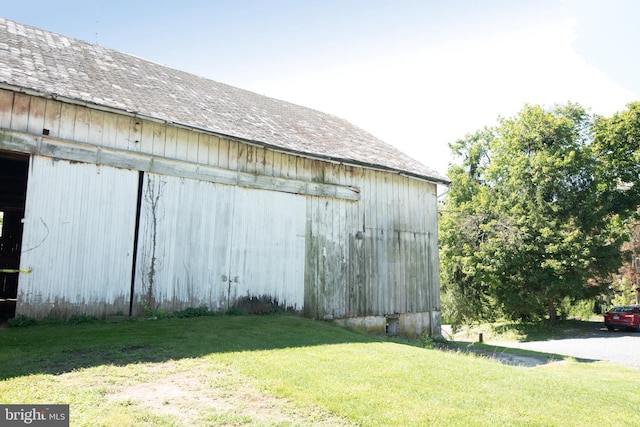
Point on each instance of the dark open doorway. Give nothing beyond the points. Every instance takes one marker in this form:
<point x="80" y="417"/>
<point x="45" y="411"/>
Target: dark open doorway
<point x="13" y="191"/>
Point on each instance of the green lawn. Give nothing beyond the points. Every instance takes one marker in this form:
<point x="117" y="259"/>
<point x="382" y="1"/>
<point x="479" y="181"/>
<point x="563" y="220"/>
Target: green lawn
<point x="284" y="370"/>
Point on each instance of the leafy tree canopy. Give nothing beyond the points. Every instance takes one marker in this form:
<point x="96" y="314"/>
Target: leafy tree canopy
<point x="536" y="211"/>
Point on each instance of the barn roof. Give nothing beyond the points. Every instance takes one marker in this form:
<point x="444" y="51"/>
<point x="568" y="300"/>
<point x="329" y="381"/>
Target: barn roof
<point x="53" y="65"/>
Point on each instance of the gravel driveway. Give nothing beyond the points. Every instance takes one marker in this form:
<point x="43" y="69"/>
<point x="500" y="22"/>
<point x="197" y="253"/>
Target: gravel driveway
<point x="598" y="344"/>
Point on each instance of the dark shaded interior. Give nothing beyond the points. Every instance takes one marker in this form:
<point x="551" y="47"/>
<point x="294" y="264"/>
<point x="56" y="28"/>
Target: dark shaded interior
<point x="13" y="190"/>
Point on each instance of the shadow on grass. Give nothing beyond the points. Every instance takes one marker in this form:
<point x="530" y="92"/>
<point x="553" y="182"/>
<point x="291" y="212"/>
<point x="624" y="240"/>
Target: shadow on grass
<point x="565" y="329"/>
<point x="48" y="349"/>
<point x="512" y="355"/>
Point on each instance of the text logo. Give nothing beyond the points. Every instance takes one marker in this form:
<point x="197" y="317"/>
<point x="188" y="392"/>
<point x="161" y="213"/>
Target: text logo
<point x="34" y="415"/>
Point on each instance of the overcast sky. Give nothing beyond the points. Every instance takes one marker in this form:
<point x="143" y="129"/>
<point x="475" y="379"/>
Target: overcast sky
<point x="417" y="74"/>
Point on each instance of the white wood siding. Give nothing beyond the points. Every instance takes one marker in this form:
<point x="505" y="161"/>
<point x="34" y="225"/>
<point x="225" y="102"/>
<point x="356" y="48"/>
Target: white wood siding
<point x="362" y="241"/>
<point x="375" y="257"/>
<point x="78" y="133"/>
<point x="78" y="239"/>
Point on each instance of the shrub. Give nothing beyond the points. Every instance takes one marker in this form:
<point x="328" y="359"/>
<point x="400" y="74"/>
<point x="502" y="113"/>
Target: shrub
<point x="193" y="312"/>
<point x="77" y="319"/>
<point x="22" y="322"/>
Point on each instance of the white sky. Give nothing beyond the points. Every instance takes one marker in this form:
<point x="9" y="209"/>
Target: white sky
<point x="418" y="74"/>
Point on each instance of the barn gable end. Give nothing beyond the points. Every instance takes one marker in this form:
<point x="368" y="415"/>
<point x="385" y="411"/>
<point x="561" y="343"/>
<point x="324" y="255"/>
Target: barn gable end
<point x="134" y="209"/>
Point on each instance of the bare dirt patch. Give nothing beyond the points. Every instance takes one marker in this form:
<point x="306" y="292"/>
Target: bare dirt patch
<point x="193" y="396"/>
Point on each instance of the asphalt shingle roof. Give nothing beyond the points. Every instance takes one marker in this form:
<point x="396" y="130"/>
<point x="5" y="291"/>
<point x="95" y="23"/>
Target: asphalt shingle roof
<point x="55" y="65"/>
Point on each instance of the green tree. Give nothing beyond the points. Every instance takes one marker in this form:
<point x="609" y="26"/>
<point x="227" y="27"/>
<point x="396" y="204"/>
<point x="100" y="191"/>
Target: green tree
<point x="529" y="219"/>
<point x="617" y="144"/>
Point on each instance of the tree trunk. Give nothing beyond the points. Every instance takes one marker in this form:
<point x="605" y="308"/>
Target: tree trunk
<point x="552" y="312"/>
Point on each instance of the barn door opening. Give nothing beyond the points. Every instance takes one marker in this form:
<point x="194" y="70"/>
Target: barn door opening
<point x="13" y="190"/>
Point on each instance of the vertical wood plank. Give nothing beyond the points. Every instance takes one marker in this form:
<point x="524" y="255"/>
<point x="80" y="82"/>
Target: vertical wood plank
<point x="135" y="134"/>
<point x="96" y="126"/>
<point x="214" y="147"/>
<point x="332" y="288"/>
<point x="67" y="121"/>
<point x="223" y="153"/>
<point x="6" y="108"/>
<point x="171" y="142"/>
<point x="37" y="109"/>
<point x="396" y="248"/>
<point x="411" y="275"/>
<point x="285" y="165"/>
<point x="244" y="152"/>
<point x="110" y="130"/>
<point x="277" y="164"/>
<point x="81" y="127"/>
<point x="268" y="162"/>
<point x="323" y="297"/>
<point x="420" y="213"/>
<point x="316" y="170"/>
<point x="182" y="143"/>
<point x="192" y="146"/>
<point x="432" y="266"/>
<point x="303" y="166"/>
<point x="358" y="175"/>
<point x="386" y="242"/>
<point x="258" y="164"/>
<point x="204" y="144"/>
<point x="371" y="236"/>
<point x="123" y="132"/>
<point x="400" y="246"/>
<point x="368" y="239"/>
<point x="343" y="239"/>
<point x="311" y="306"/>
<point x="380" y="248"/>
<point x="146" y="136"/>
<point x="52" y="117"/>
<point x="20" y="112"/>
<point x="291" y="162"/>
<point x="332" y="223"/>
<point x="233" y="155"/>
<point x="159" y="139"/>
<point x="394" y="272"/>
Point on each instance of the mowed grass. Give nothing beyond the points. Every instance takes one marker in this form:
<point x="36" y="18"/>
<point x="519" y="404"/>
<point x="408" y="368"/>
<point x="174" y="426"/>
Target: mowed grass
<point x="285" y="370"/>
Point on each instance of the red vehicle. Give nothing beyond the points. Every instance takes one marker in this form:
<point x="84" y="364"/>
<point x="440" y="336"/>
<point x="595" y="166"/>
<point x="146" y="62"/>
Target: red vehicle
<point x="623" y="317"/>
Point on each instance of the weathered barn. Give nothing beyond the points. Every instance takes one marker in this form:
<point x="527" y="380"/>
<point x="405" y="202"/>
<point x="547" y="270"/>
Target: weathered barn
<point x="129" y="186"/>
